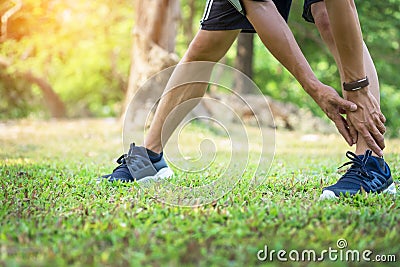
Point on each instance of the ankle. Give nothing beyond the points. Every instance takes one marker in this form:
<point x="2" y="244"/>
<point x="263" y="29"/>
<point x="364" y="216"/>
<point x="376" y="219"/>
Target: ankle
<point x="362" y="152"/>
<point x="153" y="148"/>
<point x="153" y="156"/>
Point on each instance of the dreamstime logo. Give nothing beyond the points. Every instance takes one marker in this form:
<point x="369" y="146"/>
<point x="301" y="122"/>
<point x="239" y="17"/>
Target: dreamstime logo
<point x="341" y="243"/>
<point x="205" y="139"/>
<point x="331" y="254"/>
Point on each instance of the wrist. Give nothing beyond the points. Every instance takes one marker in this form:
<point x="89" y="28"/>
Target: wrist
<point x="355" y="94"/>
<point x="312" y="86"/>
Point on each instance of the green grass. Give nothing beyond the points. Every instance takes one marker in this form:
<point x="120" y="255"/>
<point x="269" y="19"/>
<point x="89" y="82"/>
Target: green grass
<point x="53" y="214"/>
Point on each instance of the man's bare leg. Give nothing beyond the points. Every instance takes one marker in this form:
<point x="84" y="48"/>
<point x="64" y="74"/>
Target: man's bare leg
<point x="374" y="175"/>
<point x="320" y="15"/>
<point x="347" y="34"/>
<point x="346" y="31"/>
<point x="206" y="46"/>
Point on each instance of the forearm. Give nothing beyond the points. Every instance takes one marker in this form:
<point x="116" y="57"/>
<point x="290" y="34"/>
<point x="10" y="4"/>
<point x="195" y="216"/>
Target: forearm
<point x="277" y="37"/>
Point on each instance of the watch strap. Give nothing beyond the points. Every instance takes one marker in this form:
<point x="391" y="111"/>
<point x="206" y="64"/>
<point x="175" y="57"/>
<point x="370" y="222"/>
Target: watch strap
<point x="356" y="85"/>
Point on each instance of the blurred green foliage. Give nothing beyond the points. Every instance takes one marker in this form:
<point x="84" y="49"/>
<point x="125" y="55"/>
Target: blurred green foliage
<point x="381" y="30"/>
<point x="83" y="49"/>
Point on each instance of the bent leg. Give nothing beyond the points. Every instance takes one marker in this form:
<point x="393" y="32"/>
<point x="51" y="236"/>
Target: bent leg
<point x="320" y="15"/>
<point x="208" y="46"/>
<point x="346" y="32"/>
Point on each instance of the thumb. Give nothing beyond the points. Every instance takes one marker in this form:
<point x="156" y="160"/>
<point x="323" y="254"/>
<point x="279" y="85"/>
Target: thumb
<point x="346" y="105"/>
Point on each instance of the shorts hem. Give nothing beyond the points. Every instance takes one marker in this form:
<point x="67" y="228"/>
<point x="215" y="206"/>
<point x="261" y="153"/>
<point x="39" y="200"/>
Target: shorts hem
<point x="245" y="30"/>
<point x="307" y="15"/>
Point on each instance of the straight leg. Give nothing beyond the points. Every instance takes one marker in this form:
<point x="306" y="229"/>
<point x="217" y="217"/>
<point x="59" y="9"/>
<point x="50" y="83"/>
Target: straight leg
<point x="206" y="46"/>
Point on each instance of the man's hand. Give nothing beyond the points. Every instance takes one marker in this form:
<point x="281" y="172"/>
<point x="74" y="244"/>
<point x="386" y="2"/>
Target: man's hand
<point x="368" y="119"/>
<point x="333" y="106"/>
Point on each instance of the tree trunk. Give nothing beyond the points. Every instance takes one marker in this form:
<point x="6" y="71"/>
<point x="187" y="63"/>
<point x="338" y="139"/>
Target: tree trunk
<point x="53" y="102"/>
<point x="244" y="60"/>
<point x="153" y="48"/>
<point x="188" y="21"/>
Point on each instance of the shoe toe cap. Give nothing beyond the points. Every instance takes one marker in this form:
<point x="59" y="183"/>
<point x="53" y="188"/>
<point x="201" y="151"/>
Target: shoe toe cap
<point x="327" y="194"/>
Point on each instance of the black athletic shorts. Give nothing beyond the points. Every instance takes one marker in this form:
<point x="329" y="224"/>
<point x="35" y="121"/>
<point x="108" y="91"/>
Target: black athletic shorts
<point x="307" y="15"/>
<point x="220" y="15"/>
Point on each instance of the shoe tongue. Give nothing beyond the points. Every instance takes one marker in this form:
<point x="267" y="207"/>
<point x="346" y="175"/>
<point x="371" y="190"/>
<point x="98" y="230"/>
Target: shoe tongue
<point x="374" y="162"/>
<point x="136" y="150"/>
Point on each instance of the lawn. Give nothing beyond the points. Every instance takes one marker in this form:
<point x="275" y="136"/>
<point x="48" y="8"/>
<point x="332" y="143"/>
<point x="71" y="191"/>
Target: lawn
<point x="53" y="213"/>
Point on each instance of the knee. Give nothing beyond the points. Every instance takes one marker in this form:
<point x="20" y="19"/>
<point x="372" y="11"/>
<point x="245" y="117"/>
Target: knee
<point x="199" y="51"/>
<point x="321" y="19"/>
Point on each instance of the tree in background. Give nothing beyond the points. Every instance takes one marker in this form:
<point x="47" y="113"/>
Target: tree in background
<point x="51" y="99"/>
<point x="244" y="60"/>
<point x="153" y="45"/>
<point x="83" y="49"/>
<point x="80" y="48"/>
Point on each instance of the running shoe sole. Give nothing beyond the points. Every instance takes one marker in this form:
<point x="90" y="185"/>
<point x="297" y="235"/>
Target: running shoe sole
<point x="328" y="194"/>
<point x="164" y="173"/>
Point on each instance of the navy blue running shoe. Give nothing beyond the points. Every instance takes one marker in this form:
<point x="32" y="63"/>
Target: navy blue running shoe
<point x="367" y="173"/>
<point x="137" y="166"/>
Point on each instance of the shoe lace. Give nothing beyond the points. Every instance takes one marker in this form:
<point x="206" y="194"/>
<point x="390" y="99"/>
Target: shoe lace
<point x="359" y="166"/>
<point x="121" y="161"/>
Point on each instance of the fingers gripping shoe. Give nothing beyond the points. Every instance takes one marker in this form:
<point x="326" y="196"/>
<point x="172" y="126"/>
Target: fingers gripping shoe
<point x="367" y="173"/>
<point x="136" y="165"/>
